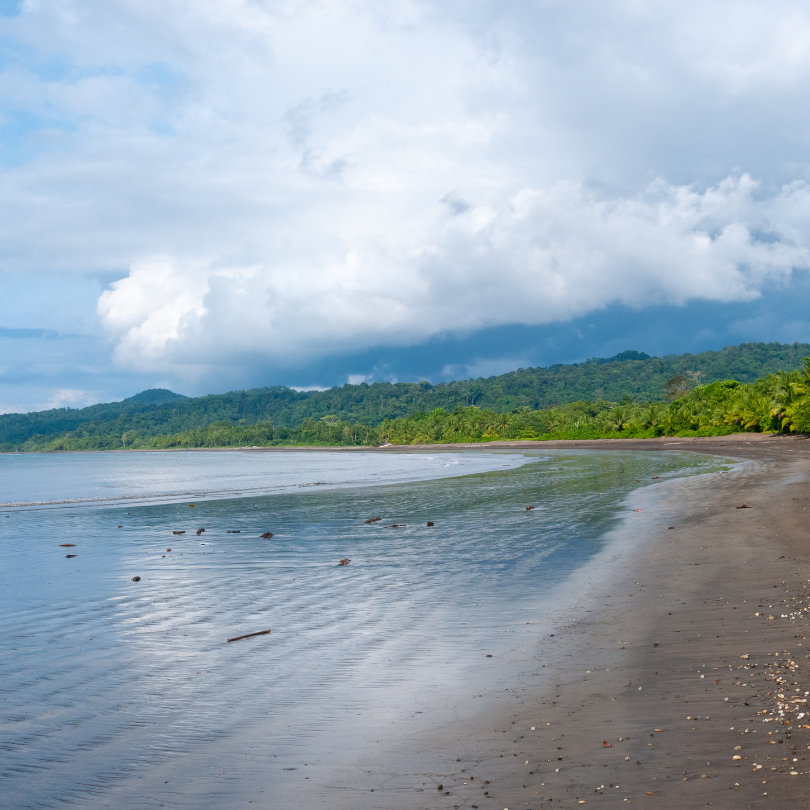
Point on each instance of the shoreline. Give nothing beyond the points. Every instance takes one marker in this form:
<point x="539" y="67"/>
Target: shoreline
<point x="629" y="717"/>
<point x="622" y="710"/>
<point x="626" y="694"/>
<point x="741" y="441"/>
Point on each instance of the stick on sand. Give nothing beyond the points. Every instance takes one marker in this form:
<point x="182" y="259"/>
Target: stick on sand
<point x="249" y="635"/>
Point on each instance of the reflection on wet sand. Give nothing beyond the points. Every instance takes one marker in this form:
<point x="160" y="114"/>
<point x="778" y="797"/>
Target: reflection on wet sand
<point x="121" y="688"/>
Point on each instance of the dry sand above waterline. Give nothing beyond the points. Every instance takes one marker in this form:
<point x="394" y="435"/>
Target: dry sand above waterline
<point x="694" y="590"/>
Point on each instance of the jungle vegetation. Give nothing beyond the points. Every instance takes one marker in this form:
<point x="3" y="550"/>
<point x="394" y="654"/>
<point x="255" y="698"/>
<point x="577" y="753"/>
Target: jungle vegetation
<point x="161" y="413"/>
<point x="778" y="402"/>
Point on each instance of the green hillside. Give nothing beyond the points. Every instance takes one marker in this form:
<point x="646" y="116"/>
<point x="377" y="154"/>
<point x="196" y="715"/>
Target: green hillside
<point x="161" y="412"/>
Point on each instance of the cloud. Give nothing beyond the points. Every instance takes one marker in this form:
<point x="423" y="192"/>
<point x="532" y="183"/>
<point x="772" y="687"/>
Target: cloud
<point x="71" y="398"/>
<point x="275" y="182"/>
<point x="545" y="256"/>
<point x="356" y="379"/>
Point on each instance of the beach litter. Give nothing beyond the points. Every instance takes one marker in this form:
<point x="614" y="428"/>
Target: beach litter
<point x="249" y="635"/>
<point x="344" y="561"/>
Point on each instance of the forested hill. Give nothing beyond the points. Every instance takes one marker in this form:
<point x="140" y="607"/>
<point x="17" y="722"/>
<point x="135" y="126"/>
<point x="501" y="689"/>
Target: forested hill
<point x="632" y="374"/>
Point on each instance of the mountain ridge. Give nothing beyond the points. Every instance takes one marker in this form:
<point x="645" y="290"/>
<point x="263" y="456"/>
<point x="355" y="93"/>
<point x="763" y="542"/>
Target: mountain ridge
<point x="630" y="374"/>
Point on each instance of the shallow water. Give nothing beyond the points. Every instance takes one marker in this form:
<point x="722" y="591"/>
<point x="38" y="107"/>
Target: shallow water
<point x="36" y="479"/>
<point x="128" y="695"/>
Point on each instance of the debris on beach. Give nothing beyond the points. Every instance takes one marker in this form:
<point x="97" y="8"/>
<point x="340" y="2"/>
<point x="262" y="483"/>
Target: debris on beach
<point x="344" y="561"/>
<point x="430" y="523"/>
<point x="136" y="579"/>
<point x="68" y="556"/>
<point x="267" y="535"/>
<point x="249" y="635"/>
<point x="373" y="520"/>
<point x="183" y="532"/>
<point x="67" y="545"/>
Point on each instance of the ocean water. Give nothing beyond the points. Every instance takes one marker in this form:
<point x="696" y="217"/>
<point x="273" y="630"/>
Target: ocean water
<point x="127" y="694"/>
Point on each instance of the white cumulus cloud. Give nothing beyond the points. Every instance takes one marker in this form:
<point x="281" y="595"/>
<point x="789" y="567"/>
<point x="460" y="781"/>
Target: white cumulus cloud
<point x="288" y="180"/>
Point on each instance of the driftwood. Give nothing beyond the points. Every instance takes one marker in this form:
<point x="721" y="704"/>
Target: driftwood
<point x="249" y="635"/>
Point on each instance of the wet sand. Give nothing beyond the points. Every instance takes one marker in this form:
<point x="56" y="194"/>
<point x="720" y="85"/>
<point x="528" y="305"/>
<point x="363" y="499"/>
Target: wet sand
<point x="623" y="715"/>
<point x="618" y="711"/>
<point x="614" y="727"/>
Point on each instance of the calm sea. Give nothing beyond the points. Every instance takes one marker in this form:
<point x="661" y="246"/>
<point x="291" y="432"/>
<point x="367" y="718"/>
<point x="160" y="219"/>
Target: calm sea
<point x="127" y="694"/>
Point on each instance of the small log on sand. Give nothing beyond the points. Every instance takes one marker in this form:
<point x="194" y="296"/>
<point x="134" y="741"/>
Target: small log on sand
<point x="249" y="635"/>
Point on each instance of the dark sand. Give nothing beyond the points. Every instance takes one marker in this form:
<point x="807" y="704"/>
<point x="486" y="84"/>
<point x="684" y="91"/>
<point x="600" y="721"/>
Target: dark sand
<point x="693" y="591"/>
<point x="679" y="602"/>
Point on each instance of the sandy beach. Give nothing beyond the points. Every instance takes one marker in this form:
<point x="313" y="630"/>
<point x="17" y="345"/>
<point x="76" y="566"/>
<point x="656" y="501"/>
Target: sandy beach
<point x="678" y="677"/>
<point x="669" y="669"/>
<point x="660" y="696"/>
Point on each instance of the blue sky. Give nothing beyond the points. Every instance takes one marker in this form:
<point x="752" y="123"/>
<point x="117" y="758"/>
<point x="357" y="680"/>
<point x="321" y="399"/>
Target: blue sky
<point x="236" y="193"/>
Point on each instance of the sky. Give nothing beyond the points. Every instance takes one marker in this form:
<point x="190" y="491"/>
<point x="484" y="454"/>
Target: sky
<point x="235" y="193"/>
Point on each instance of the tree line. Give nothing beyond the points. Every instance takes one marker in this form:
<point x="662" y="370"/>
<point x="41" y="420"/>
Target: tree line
<point x="159" y="412"/>
<point x="778" y="403"/>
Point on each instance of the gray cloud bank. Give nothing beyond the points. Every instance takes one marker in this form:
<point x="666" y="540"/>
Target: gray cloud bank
<point x="288" y="180"/>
